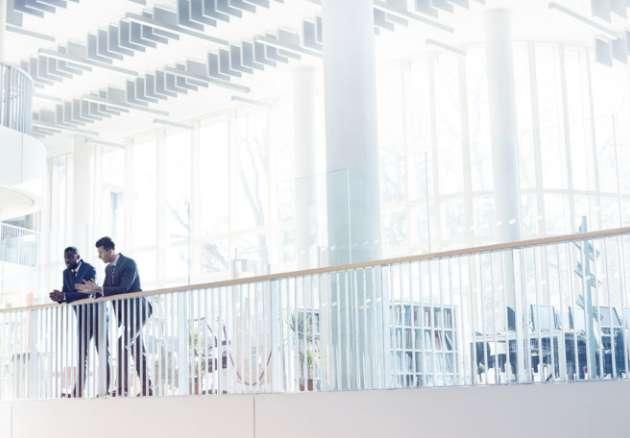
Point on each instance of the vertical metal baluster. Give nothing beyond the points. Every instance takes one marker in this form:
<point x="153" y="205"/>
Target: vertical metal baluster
<point x="302" y="323"/>
<point x="157" y="341"/>
<point x="336" y="330"/>
<point x="207" y="325"/>
<point x="316" y="316"/>
<point x="454" y="355"/>
<point x="355" y="326"/>
<point x="394" y="306"/>
<point x="234" y="294"/>
<point x="174" y="330"/>
<point x="51" y="352"/>
<point x="613" y="327"/>
<point x="243" y="320"/>
<point x="238" y="315"/>
<point x="418" y="324"/>
<point x="538" y="317"/>
<point x="260" y="310"/>
<point x="439" y="326"/>
<point x="294" y="343"/>
<point x="63" y="335"/>
<point x="504" y="310"/>
<point x="218" y="314"/>
<point x="135" y="347"/>
<point x="495" y="332"/>
<point x="483" y="317"/>
<point x="553" y="334"/>
<point x="54" y="356"/>
<point x="346" y="337"/>
<point x="248" y="337"/>
<point x="83" y="370"/>
<point x="97" y="371"/>
<point x="587" y="317"/>
<point x="411" y="327"/>
<point x="574" y="312"/>
<point x="596" y="306"/>
<point x="331" y="283"/>
<point x="368" y="361"/>
<point x="563" y="327"/>
<point x="320" y="348"/>
<point x="461" y="339"/>
<point x="622" y="293"/>
<point x="267" y="323"/>
<point x="145" y="366"/>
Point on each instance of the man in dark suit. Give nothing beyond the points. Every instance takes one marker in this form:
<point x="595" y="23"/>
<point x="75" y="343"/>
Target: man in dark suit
<point x="78" y="271"/>
<point x="121" y="277"/>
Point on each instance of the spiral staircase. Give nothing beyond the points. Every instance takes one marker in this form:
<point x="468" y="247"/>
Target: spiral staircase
<point x="22" y="156"/>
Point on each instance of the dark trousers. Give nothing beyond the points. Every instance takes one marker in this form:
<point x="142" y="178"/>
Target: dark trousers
<point x="87" y="323"/>
<point x="132" y="316"/>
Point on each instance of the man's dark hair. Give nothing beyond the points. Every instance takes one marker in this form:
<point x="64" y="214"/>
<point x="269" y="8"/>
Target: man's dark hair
<point x="71" y="249"/>
<point x="106" y="243"/>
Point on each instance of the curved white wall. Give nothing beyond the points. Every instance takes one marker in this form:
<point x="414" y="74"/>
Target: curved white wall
<point x="22" y="173"/>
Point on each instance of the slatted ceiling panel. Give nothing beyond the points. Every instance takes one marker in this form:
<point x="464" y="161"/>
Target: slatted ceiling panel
<point x="244" y="6"/>
<point x="159" y="26"/>
<point x="160" y="86"/>
<point x="619" y="48"/>
<point x="426" y="7"/>
<point x="214" y="67"/>
<point x="184" y="14"/>
<point x="309" y="32"/>
<point x="442" y="5"/>
<point x="397" y="19"/>
<point x="603" y="53"/>
<point x="380" y="20"/>
<point x="248" y="57"/>
<point x="236" y="61"/>
<point x="261" y="3"/>
<point x="225" y="7"/>
<point x="210" y="10"/>
<point x="197" y="14"/>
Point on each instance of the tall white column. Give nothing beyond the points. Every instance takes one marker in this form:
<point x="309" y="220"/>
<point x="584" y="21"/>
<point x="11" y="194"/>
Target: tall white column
<point x="304" y="134"/>
<point x="352" y="191"/>
<point x="351" y="134"/>
<point x="503" y="123"/>
<point x="3" y="25"/>
<point x="83" y="159"/>
<point x="504" y="138"/>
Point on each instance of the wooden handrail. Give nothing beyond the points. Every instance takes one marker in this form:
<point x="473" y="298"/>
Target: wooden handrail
<point x="519" y="244"/>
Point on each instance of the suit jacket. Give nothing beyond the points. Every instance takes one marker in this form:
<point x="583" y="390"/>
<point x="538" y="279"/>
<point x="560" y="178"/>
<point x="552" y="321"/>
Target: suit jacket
<point x="123" y="278"/>
<point x="85" y="272"/>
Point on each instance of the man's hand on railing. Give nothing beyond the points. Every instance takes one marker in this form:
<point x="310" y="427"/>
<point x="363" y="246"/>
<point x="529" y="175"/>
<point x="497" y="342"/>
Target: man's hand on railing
<point x="57" y="296"/>
<point x="89" y="288"/>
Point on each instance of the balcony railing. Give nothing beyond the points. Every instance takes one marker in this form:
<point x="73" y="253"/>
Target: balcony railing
<point x="18" y="245"/>
<point x="548" y="310"/>
<point x="16" y="95"/>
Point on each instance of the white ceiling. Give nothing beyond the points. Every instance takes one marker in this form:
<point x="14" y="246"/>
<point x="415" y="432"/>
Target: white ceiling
<point x="532" y="20"/>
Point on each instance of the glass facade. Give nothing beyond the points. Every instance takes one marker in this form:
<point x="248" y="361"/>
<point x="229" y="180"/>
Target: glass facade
<point x="218" y="201"/>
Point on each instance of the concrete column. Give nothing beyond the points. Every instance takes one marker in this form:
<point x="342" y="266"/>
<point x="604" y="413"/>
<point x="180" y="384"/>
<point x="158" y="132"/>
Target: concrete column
<point x="195" y="205"/>
<point x="504" y="138"/>
<point x="3" y="25"/>
<point x="305" y="164"/>
<point x="503" y="122"/>
<point x="83" y="159"/>
<point x="351" y="118"/>
<point x="352" y="191"/>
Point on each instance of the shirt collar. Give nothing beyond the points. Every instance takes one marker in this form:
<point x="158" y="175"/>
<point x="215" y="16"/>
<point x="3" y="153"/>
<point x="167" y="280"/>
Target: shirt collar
<point x="78" y="266"/>
<point x="115" y="260"/>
